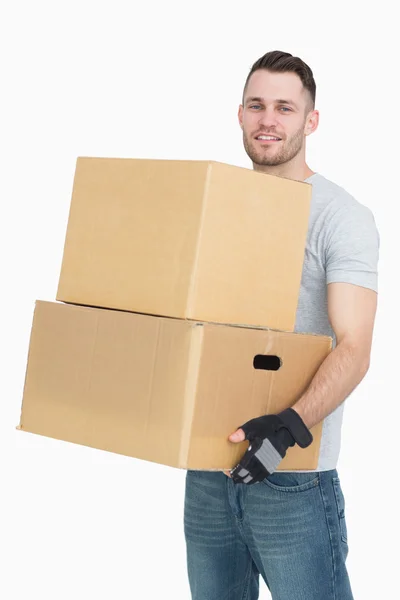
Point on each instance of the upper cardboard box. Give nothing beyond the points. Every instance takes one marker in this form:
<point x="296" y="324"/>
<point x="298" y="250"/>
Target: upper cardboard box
<point x="160" y="389"/>
<point x="188" y="239"/>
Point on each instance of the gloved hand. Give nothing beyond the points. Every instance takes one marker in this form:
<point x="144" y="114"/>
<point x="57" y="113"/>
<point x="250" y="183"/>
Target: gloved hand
<point x="270" y="437"/>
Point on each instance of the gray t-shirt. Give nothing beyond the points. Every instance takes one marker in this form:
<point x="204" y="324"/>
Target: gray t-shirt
<point x="342" y="246"/>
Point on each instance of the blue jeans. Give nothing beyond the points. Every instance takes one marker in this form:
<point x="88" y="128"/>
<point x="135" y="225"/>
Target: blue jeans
<point x="290" y="528"/>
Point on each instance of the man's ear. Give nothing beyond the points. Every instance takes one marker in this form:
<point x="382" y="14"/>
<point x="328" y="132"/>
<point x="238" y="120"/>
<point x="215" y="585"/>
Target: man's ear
<point x="240" y="115"/>
<point x="311" y="122"/>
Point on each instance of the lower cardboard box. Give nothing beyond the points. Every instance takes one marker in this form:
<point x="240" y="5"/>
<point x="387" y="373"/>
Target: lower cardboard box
<point x="162" y="389"/>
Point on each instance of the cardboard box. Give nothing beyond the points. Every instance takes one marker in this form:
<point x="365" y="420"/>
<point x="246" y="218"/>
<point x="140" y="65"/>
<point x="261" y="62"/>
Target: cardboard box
<point x="187" y="239"/>
<point x="162" y="389"/>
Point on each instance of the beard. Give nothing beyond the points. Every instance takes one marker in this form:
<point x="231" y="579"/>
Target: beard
<point x="267" y="157"/>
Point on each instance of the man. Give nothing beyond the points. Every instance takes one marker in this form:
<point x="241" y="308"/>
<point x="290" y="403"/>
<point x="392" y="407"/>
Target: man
<point x="290" y="527"/>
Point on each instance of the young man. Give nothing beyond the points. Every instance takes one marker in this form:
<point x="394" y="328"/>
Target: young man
<point x="290" y="527"/>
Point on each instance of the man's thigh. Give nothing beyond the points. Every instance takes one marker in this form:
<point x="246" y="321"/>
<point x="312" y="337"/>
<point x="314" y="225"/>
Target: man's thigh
<point x="295" y="529"/>
<point x="219" y="564"/>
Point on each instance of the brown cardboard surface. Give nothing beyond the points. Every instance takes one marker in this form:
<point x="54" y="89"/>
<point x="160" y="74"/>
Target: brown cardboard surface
<point x="160" y="389"/>
<point x="194" y="240"/>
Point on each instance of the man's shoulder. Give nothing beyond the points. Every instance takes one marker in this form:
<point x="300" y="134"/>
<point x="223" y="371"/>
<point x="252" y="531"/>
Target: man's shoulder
<point x="329" y="191"/>
<point x="331" y="198"/>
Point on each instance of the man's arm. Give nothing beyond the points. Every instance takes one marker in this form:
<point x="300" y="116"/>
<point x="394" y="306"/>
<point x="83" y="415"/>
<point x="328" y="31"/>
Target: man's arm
<point x="351" y="311"/>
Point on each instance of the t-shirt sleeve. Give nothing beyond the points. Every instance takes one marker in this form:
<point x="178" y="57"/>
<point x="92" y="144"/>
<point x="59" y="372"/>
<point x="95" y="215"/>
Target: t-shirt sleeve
<point x="352" y="249"/>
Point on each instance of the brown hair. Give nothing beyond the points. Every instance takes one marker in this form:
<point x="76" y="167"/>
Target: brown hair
<point x="282" y="62"/>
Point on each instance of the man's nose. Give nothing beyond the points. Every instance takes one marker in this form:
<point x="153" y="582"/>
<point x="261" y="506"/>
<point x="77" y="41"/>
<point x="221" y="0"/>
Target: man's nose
<point x="268" y="118"/>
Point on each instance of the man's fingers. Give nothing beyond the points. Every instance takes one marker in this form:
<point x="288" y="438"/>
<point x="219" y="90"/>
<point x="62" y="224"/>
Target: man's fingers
<point x="237" y="436"/>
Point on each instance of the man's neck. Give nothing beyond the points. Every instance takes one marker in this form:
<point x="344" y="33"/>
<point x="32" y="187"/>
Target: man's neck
<point x="296" y="172"/>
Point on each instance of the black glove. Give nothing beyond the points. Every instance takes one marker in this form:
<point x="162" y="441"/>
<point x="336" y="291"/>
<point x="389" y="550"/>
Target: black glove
<point x="270" y="436"/>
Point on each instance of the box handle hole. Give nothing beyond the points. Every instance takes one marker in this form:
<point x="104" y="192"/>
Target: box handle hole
<point x="267" y="362"/>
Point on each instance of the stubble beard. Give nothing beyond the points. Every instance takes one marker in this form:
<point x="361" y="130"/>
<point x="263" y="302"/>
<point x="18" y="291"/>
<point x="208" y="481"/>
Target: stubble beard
<point x="264" y="157"/>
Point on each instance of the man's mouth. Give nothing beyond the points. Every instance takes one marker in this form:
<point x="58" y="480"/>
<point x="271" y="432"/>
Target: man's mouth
<point x="268" y="138"/>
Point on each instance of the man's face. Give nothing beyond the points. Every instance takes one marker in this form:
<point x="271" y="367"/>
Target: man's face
<point x="276" y="115"/>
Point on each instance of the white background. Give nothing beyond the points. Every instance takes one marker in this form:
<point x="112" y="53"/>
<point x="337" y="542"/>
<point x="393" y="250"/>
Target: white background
<point x="164" y="80"/>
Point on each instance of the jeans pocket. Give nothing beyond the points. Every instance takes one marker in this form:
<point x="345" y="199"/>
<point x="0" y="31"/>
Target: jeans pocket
<point x="292" y="482"/>
<point x="340" y="504"/>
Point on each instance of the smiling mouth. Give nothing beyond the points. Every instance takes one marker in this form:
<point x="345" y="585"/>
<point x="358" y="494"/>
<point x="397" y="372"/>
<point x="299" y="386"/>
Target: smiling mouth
<point x="268" y="138"/>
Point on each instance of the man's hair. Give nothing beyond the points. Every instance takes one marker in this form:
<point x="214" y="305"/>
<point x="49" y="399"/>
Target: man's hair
<point x="283" y="62"/>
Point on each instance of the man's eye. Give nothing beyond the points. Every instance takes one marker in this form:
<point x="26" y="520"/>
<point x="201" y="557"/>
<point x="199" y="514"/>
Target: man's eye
<point x="285" y="109"/>
<point x="256" y="106"/>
